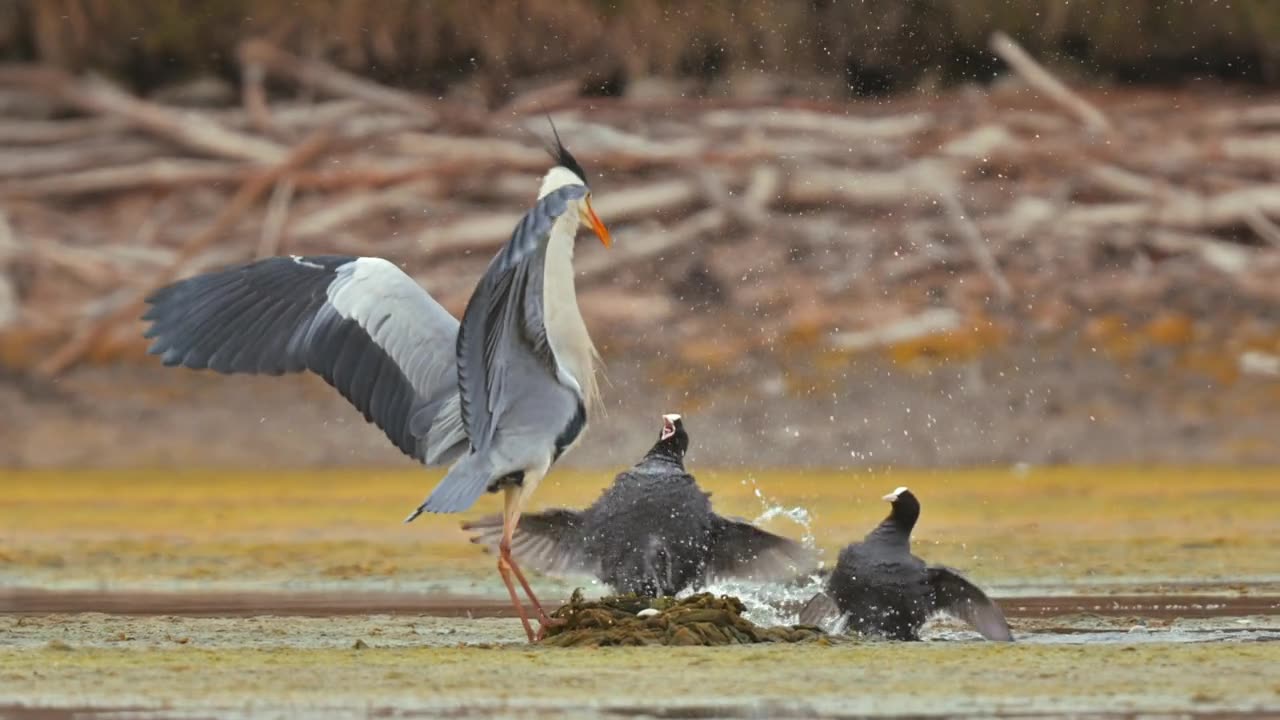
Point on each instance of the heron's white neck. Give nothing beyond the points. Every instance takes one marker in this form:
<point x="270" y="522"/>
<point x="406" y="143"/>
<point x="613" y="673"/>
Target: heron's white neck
<point x="566" y="330"/>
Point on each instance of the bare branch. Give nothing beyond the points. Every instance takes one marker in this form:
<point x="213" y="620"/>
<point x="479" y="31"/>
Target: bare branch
<point x="1041" y="79"/>
<point x="75" y="348"/>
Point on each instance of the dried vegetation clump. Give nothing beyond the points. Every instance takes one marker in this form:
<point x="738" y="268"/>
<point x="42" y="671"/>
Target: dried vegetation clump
<point x="701" y="619"/>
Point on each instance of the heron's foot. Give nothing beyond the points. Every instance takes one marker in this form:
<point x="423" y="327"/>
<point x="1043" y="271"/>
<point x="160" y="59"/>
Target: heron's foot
<point x="546" y="622"/>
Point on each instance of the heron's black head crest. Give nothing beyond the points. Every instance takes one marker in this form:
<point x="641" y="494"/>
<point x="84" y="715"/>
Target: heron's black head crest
<point x="563" y="157"/>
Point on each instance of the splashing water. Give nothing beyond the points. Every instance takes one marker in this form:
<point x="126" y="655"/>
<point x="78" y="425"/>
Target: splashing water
<point x="771" y="509"/>
<point x="776" y="603"/>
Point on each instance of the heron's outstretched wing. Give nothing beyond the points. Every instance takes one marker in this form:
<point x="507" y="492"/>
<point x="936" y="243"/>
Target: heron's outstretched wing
<point x="740" y="549"/>
<point x="550" y="541"/>
<point x="503" y="334"/>
<point x="360" y="323"/>
<point x="950" y="593"/>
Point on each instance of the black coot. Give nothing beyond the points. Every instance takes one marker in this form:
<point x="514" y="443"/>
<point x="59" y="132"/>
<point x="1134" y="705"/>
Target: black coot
<point x="879" y="588"/>
<point x="652" y="532"/>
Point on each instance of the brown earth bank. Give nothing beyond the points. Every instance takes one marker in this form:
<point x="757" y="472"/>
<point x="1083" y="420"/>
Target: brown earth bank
<point x="1071" y="404"/>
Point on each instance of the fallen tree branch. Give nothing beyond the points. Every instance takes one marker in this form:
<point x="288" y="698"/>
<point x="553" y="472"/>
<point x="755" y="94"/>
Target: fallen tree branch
<point x="330" y="79"/>
<point x="807" y="123"/>
<point x="254" y="96"/>
<point x="929" y="322"/>
<point x="193" y="130"/>
<point x="276" y="218"/>
<point x="945" y="188"/>
<point x="541" y="98"/>
<point x="74" y="349"/>
<point x="649" y="242"/>
<point x="1262" y="225"/>
<point x="1041" y="79"/>
<point x="788" y="200"/>
<point x="817" y="186"/>
<point x="74" y="156"/>
<point x="161" y="172"/>
<point x="359" y="206"/>
<point x="655" y="199"/>
<point x="46" y="132"/>
<point x="481" y="151"/>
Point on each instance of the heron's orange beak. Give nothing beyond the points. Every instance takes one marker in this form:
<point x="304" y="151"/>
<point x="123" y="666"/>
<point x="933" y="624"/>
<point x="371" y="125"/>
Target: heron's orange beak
<point x="597" y="226"/>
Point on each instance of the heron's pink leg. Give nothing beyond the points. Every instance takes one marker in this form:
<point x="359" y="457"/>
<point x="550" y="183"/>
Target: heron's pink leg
<point x="511" y="518"/>
<point x="506" y="565"/>
<point x="505" y="571"/>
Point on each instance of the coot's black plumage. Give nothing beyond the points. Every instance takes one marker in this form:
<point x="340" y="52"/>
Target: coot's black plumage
<point x="652" y="532"/>
<point x="880" y="588"/>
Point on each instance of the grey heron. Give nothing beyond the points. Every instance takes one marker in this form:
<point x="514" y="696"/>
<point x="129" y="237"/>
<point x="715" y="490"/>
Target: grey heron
<point x="652" y="532"/>
<point x="879" y="588"/>
<point x="501" y="395"/>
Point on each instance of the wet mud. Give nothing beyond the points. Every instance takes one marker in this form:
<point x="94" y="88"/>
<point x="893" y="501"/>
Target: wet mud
<point x="417" y="666"/>
<point x="1131" y="593"/>
<point x="34" y="601"/>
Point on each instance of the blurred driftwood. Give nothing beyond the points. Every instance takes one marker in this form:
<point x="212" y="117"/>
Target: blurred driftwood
<point x="248" y="194"/>
<point x="984" y="207"/>
<point x="1042" y="80"/>
<point x="331" y="80"/>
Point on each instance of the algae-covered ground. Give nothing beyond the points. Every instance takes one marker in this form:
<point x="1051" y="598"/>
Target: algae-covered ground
<point x="1028" y="535"/>
<point x="270" y="676"/>
<point x="1014" y="529"/>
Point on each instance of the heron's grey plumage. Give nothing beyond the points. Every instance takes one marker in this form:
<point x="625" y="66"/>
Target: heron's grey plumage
<point x="435" y="387"/>
<point x="516" y="400"/>
<point x="359" y="322"/>
<point x="502" y="394"/>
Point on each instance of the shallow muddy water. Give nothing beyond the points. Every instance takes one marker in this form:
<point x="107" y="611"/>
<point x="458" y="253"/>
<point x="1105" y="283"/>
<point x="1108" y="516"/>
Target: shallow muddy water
<point x="202" y="594"/>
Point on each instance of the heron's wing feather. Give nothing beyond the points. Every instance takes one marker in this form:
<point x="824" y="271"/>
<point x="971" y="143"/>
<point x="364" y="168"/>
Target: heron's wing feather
<point x="360" y="323"/>
<point x="502" y="328"/>
<point x="739" y="549"/>
<point x="439" y="426"/>
<point x="950" y="593"/>
<point x="550" y="541"/>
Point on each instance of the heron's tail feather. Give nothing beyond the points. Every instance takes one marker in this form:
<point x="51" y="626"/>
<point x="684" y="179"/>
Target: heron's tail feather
<point x="458" y="491"/>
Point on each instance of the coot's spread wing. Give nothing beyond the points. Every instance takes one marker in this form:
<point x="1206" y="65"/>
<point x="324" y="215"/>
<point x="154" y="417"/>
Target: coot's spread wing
<point x="739" y="549"/>
<point x="550" y="541"/>
<point x="952" y="594"/>
<point x="821" y="611"/>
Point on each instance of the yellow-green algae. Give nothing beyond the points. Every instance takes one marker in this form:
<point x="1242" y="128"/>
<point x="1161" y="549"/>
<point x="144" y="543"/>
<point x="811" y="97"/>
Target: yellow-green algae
<point x="882" y="677"/>
<point x="343" y="526"/>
